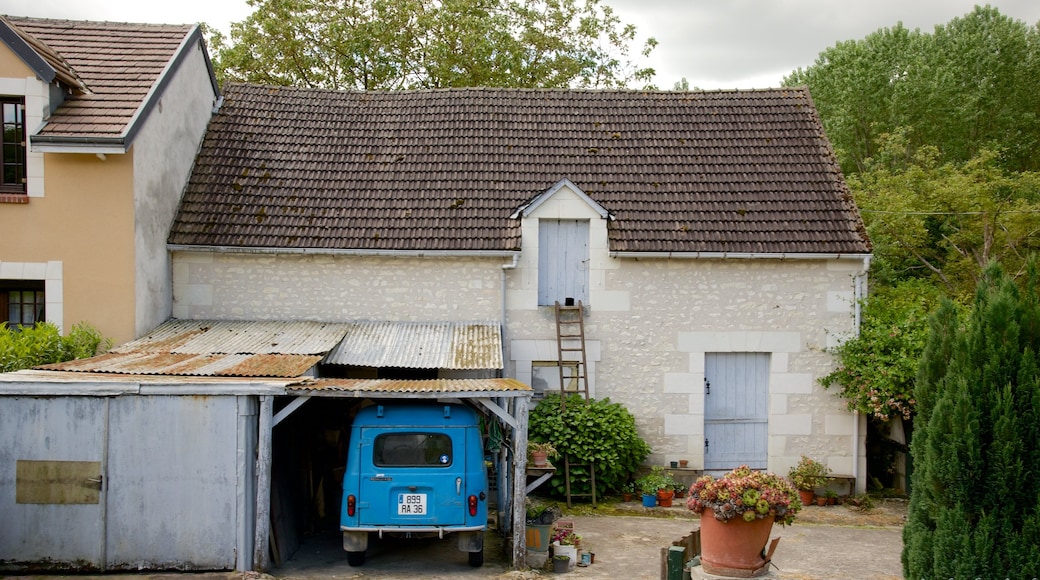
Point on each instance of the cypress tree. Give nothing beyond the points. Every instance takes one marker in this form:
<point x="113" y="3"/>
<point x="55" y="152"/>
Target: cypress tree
<point x="975" y="493"/>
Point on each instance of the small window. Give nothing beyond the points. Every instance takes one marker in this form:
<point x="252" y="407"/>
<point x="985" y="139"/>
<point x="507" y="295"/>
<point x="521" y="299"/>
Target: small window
<point x="545" y="377"/>
<point x="412" y="450"/>
<point x="22" y="302"/>
<point x="12" y="146"/>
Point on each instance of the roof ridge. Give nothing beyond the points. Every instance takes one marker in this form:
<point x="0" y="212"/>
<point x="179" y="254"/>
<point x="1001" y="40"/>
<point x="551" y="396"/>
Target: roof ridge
<point x="41" y="20"/>
<point x="619" y="91"/>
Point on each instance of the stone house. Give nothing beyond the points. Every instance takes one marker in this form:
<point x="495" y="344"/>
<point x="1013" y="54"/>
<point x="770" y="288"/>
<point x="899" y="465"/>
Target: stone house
<point x="710" y="238"/>
<point x="102" y="122"/>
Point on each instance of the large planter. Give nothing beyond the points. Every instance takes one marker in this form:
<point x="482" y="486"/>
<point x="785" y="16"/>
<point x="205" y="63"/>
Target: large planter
<point x="734" y="548"/>
<point x="806" y="496"/>
<point x="649" y="500"/>
<point x="538" y="537"/>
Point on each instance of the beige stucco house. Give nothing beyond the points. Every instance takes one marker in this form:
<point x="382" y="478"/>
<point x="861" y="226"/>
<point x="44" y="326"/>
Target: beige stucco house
<point x="102" y="122"/>
<point x="709" y="236"/>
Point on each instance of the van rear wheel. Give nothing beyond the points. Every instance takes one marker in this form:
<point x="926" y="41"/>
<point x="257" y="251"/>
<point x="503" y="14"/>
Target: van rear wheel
<point x="355" y="558"/>
<point x="476" y="559"/>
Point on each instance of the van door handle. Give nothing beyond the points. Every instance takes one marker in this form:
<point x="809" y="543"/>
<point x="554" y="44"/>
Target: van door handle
<point x="96" y="481"/>
<point x="458" y="486"/>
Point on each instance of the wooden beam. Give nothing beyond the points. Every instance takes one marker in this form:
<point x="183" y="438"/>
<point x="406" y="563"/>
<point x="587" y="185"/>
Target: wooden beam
<point x="519" y="484"/>
<point x="497" y="410"/>
<point x="263" y="486"/>
<point x="288" y="409"/>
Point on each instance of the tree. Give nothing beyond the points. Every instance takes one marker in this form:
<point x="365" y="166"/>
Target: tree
<point x="973" y="506"/>
<point x="969" y="86"/>
<point x="944" y="222"/>
<point x="416" y="44"/>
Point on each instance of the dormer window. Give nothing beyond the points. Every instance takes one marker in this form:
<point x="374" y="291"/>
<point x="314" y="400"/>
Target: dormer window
<point x="12" y="145"/>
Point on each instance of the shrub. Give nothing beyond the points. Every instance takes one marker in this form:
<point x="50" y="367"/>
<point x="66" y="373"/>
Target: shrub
<point x="600" y="432"/>
<point x="30" y="346"/>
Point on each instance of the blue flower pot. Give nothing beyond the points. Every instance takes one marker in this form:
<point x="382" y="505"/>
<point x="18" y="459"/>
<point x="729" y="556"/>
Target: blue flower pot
<point x="649" y="500"/>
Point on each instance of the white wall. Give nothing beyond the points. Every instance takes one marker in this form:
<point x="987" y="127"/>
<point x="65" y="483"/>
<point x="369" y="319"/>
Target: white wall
<point x="164" y="151"/>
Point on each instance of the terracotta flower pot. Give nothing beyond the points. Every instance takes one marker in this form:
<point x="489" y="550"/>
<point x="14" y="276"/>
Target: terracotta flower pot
<point x="539" y="458"/>
<point x="821" y="500"/>
<point x="733" y="548"/>
<point x="683" y="463"/>
<point x="806" y="495"/>
<point x="664" y="497"/>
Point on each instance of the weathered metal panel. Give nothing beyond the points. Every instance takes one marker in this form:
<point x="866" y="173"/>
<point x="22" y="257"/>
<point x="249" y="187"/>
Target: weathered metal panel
<point x="172" y="495"/>
<point x="57" y="482"/>
<point x="50" y="429"/>
<point x="239" y="337"/>
<point x="500" y="387"/>
<point x="425" y="345"/>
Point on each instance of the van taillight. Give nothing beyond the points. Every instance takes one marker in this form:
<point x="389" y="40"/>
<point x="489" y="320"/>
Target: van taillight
<point x="472" y="505"/>
<point x="351" y="505"/>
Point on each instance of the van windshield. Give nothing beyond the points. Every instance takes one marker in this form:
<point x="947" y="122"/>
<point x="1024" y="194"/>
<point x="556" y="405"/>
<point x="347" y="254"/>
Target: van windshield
<point x="412" y="450"/>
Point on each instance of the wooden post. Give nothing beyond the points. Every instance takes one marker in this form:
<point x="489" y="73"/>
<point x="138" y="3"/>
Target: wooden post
<point x="261" y="562"/>
<point x="519" y="491"/>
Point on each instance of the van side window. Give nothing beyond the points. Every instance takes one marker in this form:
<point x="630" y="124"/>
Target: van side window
<point x="412" y="450"/>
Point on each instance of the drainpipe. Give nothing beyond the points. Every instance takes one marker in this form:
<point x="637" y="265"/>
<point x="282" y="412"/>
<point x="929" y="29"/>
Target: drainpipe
<point x="860" y="295"/>
<point x="511" y="266"/>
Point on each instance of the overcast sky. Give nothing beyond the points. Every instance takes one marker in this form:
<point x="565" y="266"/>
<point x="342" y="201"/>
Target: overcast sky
<point x="712" y="43"/>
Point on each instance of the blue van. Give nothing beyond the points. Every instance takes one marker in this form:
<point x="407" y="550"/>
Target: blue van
<point x="415" y="470"/>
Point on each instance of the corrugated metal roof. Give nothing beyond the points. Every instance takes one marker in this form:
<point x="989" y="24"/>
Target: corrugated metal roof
<point x="421" y="345"/>
<point x="239" y="337"/>
<point x="498" y="385"/>
<point x="218" y="348"/>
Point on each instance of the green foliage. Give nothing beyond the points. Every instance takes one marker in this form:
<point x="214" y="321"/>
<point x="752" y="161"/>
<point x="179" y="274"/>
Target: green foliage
<point x="809" y="474"/>
<point x="878" y="368"/>
<point x="973" y="506"/>
<point x="969" y="85"/>
<point x="600" y="432"/>
<point x="656" y="479"/>
<point x="31" y="346"/>
<point x="404" y="44"/>
<point x="944" y="222"/>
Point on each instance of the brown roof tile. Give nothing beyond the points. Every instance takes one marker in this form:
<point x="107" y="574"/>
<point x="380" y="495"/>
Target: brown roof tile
<point x="737" y="171"/>
<point x="119" y="63"/>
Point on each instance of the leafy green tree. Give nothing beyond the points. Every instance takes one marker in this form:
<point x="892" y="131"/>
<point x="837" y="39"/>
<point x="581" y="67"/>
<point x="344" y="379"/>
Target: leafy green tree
<point x="970" y="85"/>
<point x="412" y="44"/>
<point x="600" y="432"/>
<point x="944" y="221"/>
<point x="41" y="344"/>
<point x="973" y="507"/>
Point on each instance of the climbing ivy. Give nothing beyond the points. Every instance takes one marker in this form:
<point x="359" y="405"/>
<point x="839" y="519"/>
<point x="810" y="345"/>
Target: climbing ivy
<point x="600" y="432"/>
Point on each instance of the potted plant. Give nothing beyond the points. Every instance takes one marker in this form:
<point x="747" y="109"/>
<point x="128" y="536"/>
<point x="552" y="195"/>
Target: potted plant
<point x="539" y="523"/>
<point x="680" y="490"/>
<point x="628" y="491"/>
<point x="807" y="476"/>
<point x="566" y="543"/>
<point x="654" y="482"/>
<point x="561" y="563"/>
<point x="831" y="495"/>
<point x="540" y="451"/>
<point x="737" y="513"/>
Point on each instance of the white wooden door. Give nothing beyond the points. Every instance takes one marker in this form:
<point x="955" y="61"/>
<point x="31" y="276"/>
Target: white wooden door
<point x="563" y="258"/>
<point x="736" y="410"/>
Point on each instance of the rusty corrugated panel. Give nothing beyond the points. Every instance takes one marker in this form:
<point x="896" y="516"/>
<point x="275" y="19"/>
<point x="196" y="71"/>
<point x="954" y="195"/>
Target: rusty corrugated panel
<point x="200" y="365"/>
<point x="239" y="337"/>
<point x="411" y="386"/>
<point x="424" y="345"/>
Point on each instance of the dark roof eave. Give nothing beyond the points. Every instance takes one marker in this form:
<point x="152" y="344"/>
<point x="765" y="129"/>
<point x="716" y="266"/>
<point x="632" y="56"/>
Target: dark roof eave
<point x="405" y="253"/>
<point x="30" y="57"/>
<point x="78" y="144"/>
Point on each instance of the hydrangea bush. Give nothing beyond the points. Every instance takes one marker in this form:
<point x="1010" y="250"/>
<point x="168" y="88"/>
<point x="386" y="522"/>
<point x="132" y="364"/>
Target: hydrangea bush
<point x="743" y="492"/>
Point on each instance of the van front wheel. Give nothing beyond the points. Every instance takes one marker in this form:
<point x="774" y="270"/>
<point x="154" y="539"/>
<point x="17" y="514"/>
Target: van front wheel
<point x="358" y="558"/>
<point x="476" y="559"/>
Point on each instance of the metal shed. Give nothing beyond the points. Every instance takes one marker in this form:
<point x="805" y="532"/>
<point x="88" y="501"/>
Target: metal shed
<point x="142" y="457"/>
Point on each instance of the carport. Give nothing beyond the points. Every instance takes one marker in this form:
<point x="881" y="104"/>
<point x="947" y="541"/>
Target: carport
<point x="195" y="402"/>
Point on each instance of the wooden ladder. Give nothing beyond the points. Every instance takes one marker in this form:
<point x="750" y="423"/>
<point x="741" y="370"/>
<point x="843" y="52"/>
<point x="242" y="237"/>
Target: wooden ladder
<point x="570" y="338"/>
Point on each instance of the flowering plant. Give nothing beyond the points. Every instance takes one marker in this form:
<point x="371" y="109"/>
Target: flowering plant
<point x="566" y="537"/>
<point x="751" y="495"/>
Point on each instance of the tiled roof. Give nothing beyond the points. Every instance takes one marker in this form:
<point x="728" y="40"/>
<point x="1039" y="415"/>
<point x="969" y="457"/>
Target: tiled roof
<point x="736" y="171"/>
<point x="119" y="64"/>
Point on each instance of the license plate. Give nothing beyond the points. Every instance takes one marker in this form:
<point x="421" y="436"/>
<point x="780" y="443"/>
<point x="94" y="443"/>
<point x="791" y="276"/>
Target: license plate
<point x="411" y="504"/>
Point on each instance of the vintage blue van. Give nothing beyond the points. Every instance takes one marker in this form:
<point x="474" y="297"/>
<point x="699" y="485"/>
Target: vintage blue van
<point x="417" y="470"/>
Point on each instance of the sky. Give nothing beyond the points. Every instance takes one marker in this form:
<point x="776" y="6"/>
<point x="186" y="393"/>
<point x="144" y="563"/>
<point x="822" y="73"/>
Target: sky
<point x="714" y="44"/>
